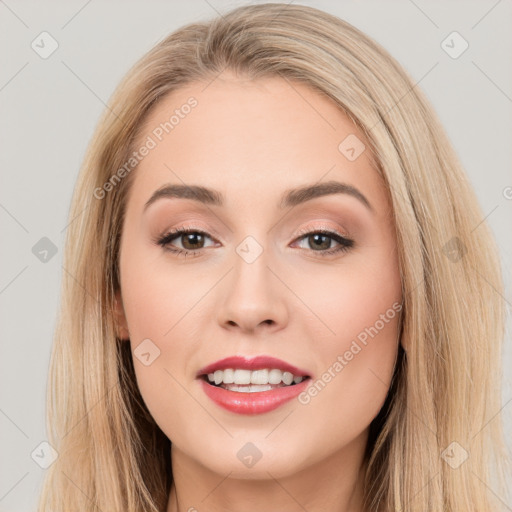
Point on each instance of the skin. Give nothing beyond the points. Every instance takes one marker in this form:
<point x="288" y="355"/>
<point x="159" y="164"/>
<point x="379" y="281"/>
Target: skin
<point x="252" y="140"/>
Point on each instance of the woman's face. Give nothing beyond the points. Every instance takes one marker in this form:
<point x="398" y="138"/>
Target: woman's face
<point x="257" y="277"/>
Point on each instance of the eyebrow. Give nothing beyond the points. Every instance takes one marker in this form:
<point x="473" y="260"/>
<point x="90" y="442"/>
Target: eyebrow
<point x="290" y="198"/>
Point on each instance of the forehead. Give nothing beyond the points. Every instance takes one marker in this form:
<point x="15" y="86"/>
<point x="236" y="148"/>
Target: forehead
<point x="251" y="137"/>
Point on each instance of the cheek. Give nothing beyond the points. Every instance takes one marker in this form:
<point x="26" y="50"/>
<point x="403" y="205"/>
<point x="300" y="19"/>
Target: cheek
<point x="156" y="293"/>
<point x="156" y="303"/>
<point x="362" y="292"/>
<point x="358" y="350"/>
<point x="352" y="385"/>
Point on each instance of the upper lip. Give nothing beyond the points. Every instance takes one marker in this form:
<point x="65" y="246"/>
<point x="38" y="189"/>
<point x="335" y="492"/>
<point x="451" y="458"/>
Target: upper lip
<point x="252" y="363"/>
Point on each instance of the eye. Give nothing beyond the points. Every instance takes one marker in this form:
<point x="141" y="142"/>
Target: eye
<point x="320" y="241"/>
<point x="191" y="240"/>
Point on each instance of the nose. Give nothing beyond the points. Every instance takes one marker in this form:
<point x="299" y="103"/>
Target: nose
<point x="252" y="297"/>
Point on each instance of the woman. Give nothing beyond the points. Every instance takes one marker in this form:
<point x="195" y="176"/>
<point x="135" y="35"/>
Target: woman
<point x="275" y="297"/>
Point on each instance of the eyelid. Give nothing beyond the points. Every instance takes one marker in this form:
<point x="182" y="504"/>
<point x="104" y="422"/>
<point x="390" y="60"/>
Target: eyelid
<point x="324" y="227"/>
<point x="206" y="231"/>
<point x="176" y="232"/>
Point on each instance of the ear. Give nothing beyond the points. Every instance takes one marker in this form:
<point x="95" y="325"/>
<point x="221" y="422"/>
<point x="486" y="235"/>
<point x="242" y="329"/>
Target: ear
<point x="120" y="318"/>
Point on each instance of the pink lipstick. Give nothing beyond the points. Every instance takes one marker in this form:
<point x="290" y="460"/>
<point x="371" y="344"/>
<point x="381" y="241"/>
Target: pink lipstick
<point x="252" y="385"/>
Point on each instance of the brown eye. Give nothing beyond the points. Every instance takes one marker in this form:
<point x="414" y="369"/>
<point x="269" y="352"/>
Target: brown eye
<point x="191" y="241"/>
<point x="319" y="241"/>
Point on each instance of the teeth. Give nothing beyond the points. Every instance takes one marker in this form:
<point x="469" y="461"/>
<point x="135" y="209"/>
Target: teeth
<point x="287" y="378"/>
<point x="229" y="376"/>
<point x="265" y="378"/>
<point x="242" y="377"/>
<point x="253" y="388"/>
<point x="275" y="376"/>
<point x="259" y="377"/>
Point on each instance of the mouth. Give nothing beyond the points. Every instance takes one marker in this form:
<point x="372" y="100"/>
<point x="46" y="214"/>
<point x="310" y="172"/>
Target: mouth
<point x="252" y="386"/>
<point x="252" y="381"/>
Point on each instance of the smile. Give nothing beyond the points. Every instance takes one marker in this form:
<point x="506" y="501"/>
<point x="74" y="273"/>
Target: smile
<point x="247" y="381"/>
<point x="252" y="385"/>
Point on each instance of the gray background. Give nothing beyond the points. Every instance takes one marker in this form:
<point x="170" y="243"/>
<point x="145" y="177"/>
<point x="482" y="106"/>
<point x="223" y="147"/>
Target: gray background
<point x="49" y="108"/>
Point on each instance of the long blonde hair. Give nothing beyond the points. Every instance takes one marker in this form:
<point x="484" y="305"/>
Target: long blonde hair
<point x="445" y="395"/>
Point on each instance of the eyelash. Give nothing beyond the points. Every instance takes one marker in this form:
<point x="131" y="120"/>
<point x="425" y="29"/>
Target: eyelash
<point x="345" y="243"/>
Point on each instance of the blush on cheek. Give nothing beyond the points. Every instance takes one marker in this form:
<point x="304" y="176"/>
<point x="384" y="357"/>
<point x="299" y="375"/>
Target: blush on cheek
<point x="361" y="361"/>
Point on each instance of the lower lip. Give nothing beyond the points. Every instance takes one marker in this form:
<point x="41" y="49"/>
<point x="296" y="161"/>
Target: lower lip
<point x="253" y="403"/>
